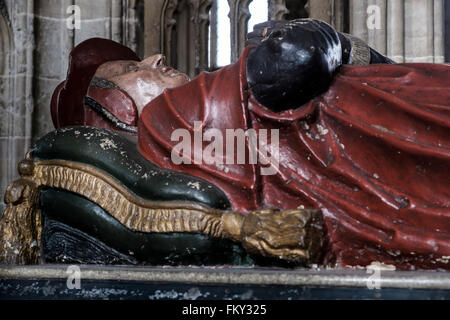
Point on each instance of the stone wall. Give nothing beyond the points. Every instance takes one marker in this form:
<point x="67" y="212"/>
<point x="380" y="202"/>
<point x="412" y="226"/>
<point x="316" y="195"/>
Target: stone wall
<point x="16" y="72"/>
<point x="35" y="42"/>
<point x="404" y="30"/>
<point x="111" y="19"/>
<point x="409" y="30"/>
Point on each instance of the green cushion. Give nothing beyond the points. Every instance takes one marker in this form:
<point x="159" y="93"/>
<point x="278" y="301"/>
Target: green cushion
<point x="117" y="154"/>
<point x="146" y="248"/>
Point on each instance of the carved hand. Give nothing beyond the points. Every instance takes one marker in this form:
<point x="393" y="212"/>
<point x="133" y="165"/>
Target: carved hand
<point x="292" y="235"/>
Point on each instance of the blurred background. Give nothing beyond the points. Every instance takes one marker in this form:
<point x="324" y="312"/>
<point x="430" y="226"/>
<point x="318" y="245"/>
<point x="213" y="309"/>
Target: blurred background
<point x="36" y="37"/>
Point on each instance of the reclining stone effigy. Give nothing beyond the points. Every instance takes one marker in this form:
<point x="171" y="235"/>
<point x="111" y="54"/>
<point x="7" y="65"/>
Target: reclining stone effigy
<point x="363" y="145"/>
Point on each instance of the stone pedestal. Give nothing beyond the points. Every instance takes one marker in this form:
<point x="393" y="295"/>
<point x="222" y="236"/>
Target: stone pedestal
<point x="220" y="283"/>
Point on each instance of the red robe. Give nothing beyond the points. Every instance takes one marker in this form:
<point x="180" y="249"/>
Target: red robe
<point x="373" y="153"/>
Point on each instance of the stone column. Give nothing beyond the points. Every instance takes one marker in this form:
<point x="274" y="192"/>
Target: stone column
<point x="53" y="40"/>
<point x="419" y="39"/>
<point x="16" y="101"/>
<point x="409" y="30"/>
<point x="213" y="36"/>
<point x="97" y="20"/>
<point x="438" y="28"/>
<point x="197" y="35"/>
<point x="321" y="10"/>
<point x="395" y="24"/>
<point x="447" y="33"/>
<point x="179" y="29"/>
<point x="131" y="16"/>
<point x="376" y="10"/>
<point x="358" y="19"/>
<point x="340" y="15"/>
<point x="331" y="11"/>
<point x="117" y="20"/>
<point x="155" y="22"/>
<point x="368" y="22"/>
<point x="239" y="16"/>
<point x="277" y="9"/>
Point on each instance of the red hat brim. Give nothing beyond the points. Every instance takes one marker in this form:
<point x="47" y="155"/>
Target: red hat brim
<point x="67" y="105"/>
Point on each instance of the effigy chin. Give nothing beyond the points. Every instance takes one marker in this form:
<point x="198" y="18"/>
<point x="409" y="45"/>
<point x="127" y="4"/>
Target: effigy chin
<point x="311" y="150"/>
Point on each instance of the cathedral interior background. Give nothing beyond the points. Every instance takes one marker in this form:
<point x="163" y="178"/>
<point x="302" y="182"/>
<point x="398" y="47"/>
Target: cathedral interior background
<point x="36" y="37"/>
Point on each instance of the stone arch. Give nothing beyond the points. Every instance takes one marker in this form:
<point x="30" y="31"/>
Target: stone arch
<point x="6" y="39"/>
<point x="184" y="34"/>
<point x="6" y="46"/>
<point x="6" y="83"/>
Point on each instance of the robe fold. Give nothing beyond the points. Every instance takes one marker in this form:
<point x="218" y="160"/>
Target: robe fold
<point x="373" y="153"/>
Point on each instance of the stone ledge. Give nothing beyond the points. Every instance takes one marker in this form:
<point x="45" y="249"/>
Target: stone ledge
<point x="436" y="280"/>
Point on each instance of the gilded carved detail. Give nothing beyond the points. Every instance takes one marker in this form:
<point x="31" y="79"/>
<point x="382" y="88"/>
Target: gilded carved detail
<point x="294" y="235"/>
<point x="135" y="213"/>
<point x="20" y="223"/>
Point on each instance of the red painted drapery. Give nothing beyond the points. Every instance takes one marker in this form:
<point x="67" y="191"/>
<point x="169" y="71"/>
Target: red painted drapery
<point x="373" y="153"/>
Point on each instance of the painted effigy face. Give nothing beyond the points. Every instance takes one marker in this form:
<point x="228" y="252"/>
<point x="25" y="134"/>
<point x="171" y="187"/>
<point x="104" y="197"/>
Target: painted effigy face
<point x="144" y="80"/>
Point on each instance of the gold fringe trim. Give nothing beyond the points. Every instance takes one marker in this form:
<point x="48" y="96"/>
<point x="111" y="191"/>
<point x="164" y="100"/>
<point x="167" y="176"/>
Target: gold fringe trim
<point x="132" y="211"/>
<point x="20" y="224"/>
<point x="293" y="235"/>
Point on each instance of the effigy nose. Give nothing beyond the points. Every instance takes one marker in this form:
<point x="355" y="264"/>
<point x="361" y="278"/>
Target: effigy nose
<point x="155" y="61"/>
